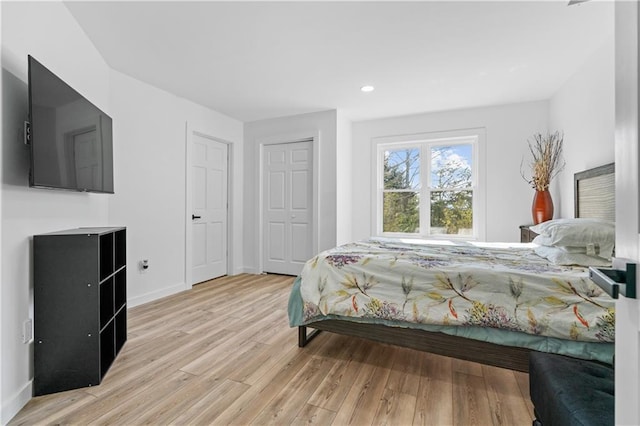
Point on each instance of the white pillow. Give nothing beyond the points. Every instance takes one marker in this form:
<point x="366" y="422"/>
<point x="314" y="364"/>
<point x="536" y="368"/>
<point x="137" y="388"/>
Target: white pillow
<point x="558" y="256"/>
<point x="573" y="233"/>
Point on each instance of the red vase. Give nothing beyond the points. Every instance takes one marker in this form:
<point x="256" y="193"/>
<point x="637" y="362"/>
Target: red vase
<point x="542" y="208"/>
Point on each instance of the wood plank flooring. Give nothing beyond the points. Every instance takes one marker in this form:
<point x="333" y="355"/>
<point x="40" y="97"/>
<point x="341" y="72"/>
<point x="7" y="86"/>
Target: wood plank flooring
<point x="223" y="353"/>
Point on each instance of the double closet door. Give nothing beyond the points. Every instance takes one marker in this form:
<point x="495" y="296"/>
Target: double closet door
<point x="287" y="207"/>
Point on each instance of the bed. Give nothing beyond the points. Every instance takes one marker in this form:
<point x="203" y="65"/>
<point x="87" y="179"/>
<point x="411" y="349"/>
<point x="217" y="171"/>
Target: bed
<point x="437" y="306"/>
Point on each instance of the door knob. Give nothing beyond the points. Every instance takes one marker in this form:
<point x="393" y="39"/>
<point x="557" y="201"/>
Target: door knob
<point x="194" y="217"/>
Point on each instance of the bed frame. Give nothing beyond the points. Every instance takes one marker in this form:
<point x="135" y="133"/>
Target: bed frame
<point x="594" y="194"/>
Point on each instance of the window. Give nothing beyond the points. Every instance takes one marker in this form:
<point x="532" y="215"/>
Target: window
<point x="429" y="187"/>
<point x="401" y="193"/>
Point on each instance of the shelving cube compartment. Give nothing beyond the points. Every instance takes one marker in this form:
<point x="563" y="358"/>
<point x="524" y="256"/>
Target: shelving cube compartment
<point x="80" y="310"/>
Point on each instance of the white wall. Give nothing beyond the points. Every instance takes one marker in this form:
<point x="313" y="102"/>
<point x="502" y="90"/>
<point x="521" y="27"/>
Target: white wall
<point x="287" y="129"/>
<point x="150" y="182"/>
<point x="507" y="127"/>
<point x="344" y="180"/>
<point x="49" y="33"/>
<point x="149" y="162"/>
<point x="584" y="109"/>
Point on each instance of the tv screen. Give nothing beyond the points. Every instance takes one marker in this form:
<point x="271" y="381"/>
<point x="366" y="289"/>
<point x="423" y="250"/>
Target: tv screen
<point x="71" y="139"/>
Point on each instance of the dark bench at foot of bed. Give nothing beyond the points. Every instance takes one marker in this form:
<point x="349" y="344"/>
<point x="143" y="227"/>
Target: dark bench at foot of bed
<point x="568" y="391"/>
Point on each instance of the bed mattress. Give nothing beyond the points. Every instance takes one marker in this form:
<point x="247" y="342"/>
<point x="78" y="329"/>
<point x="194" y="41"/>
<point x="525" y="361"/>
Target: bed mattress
<point x="501" y="293"/>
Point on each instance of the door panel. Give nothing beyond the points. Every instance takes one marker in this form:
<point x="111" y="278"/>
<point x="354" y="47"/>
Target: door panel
<point x="216" y="193"/>
<point x="287" y="207"/>
<point x="276" y="157"/>
<point x="199" y="241"/>
<point x="276" y="190"/>
<point x="276" y="242"/>
<point x="209" y="168"/>
<point x="300" y="247"/>
<point x="299" y="194"/>
<point x="199" y="187"/>
<point x="299" y="156"/>
<point x="215" y="250"/>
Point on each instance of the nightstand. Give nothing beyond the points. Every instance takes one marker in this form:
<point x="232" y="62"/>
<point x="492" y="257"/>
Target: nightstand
<point x="526" y="234"/>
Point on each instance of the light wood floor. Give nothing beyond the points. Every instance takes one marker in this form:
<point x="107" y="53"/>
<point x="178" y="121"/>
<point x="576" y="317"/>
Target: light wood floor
<point x="224" y="353"/>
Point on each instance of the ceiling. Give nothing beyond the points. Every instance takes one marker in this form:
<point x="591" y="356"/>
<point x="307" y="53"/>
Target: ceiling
<point x="260" y="60"/>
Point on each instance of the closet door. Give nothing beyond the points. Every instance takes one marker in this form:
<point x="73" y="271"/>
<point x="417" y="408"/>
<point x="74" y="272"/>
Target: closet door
<point x="287" y="207"/>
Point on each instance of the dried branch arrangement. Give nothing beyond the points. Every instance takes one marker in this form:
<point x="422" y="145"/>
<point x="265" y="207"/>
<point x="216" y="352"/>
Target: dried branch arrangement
<point x="547" y="162"/>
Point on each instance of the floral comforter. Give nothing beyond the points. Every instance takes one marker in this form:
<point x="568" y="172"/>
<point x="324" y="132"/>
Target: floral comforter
<point x="464" y="285"/>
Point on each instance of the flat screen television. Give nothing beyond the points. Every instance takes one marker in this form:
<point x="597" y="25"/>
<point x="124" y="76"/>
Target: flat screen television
<point x="71" y="139"/>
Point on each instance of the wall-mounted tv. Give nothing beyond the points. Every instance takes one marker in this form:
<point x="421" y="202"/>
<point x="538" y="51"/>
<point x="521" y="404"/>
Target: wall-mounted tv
<point x="71" y="139"/>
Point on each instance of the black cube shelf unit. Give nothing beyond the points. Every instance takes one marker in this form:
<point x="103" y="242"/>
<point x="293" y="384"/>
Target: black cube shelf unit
<point x="80" y="306"/>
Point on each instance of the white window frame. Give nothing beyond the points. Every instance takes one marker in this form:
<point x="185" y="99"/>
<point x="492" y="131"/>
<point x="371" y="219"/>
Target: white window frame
<point x="425" y="141"/>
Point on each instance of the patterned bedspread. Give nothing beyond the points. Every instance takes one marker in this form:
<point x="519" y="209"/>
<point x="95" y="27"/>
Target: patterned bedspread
<point x="457" y="285"/>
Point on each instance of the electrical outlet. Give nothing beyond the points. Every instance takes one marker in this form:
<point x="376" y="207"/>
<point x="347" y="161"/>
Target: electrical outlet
<point x="144" y="265"/>
<point x="27" y="331"/>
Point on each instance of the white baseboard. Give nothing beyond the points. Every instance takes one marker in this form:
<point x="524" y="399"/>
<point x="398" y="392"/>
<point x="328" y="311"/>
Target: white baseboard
<point x="154" y="295"/>
<point x="248" y="270"/>
<point x="13" y="405"/>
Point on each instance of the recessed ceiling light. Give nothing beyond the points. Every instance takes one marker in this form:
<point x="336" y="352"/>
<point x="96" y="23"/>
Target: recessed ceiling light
<point x="367" y="89"/>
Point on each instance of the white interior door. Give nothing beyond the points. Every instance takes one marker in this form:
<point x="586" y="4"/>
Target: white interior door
<point x="86" y="159"/>
<point x="287" y="207"/>
<point x="209" y="175"/>
<point x="627" y="368"/>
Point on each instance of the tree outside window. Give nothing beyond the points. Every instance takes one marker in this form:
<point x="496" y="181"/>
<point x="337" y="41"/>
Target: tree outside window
<point x="401" y="198"/>
<point x="451" y="190"/>
<point x="449" y="201"/>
